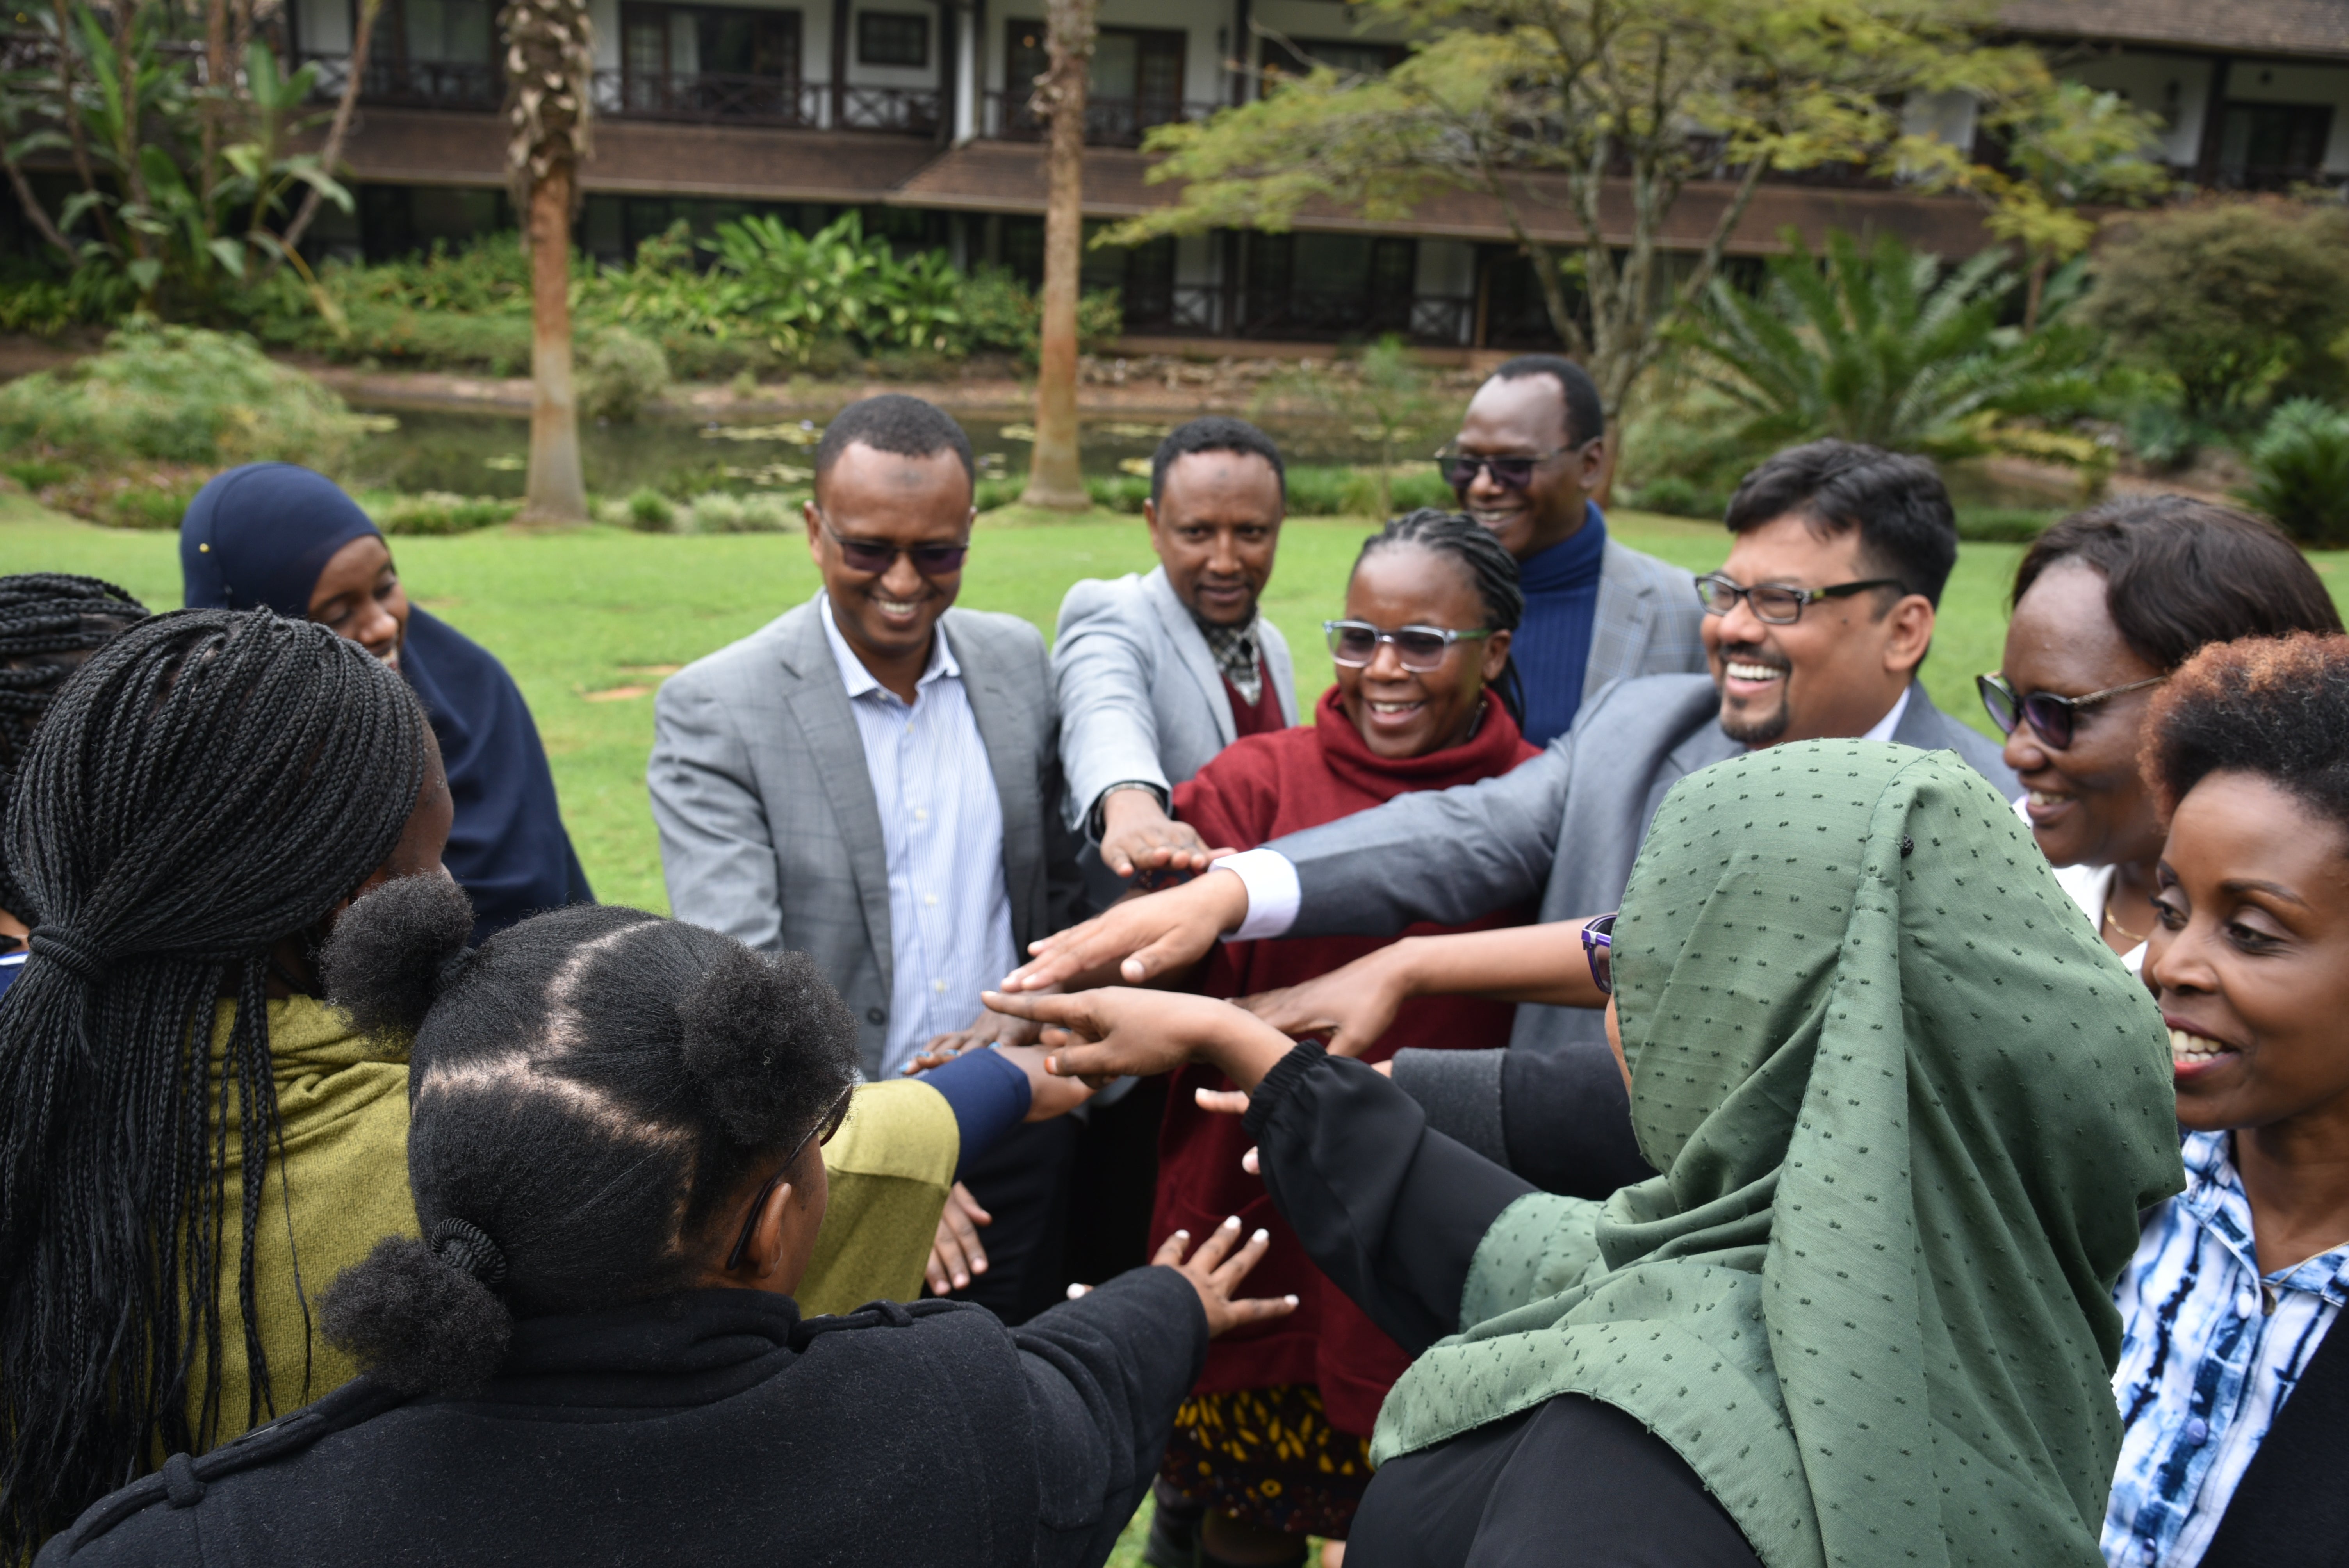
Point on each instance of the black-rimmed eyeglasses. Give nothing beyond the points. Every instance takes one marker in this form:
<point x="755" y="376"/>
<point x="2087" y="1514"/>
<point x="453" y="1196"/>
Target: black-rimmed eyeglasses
<point x="822" y="1132"/>
<point x="1460" y="468"/>
<point x="1778" y="604"/>
<point x="1354" y="643"/>
<point x="1599" y="948"/>
<point x="2055" y="719"/>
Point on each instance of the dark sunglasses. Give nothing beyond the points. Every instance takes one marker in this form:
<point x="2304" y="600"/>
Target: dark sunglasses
<point x="1460" y="468"/>
<point x="1778" y="604"/>
<point x="1598" y="947"/>
<point x="2055" y="719"/>
<point x="1354" y="643"/>
<point x="876" y="555"/>
<point x="822" y="1132"/>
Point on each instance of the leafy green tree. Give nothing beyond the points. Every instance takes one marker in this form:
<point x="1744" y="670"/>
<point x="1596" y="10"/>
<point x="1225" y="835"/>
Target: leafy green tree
<point x="1884" y="346"/>
<point x="1622" y="104"/>
<point x="2240" y="301"/>
<point x="2300" y="473"/>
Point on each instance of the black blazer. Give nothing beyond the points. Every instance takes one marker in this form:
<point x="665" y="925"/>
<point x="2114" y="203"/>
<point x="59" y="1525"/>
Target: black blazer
<point x="712" y="1427"/>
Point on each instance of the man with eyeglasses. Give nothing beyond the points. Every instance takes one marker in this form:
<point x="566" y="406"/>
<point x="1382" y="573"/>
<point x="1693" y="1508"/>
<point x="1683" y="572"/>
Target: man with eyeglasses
<point x="1531" y="448"/>
<point x="873" y="779"/>
<point x="1815" y="627"/>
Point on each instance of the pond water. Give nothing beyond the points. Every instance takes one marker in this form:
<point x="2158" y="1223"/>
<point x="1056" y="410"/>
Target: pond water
<point x="484" y="454"/>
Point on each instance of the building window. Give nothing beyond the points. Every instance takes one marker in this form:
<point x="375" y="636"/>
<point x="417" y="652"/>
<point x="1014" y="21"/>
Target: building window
<point x="711" y="63"/>
<point x="892" y="38"/>
<point x="2271" y="146"/>
<point x="1136" y="81"/>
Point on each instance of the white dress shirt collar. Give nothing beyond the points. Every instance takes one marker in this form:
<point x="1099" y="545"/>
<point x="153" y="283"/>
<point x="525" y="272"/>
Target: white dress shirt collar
<point x="860" y="680"/>
<point x="1882" y="729"/>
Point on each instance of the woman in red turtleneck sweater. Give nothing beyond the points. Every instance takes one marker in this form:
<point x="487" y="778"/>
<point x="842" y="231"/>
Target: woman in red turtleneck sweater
<point x="1274" y="1441"/>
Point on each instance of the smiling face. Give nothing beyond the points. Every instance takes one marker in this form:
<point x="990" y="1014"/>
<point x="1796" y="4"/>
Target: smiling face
<point x="1835" y="672"/>
<point x="1409" y="713"/>
<point x="1215" y="525"/>
<point x="2089" y="804"/>
<point x="1526" y="417"/>
<point x="358" y="596"/>
<point x="2249" y="960"/>
<point x="888" y="499"/>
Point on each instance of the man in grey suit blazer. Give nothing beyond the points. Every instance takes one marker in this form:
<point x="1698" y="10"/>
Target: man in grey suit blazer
<point x="1156" y="674"/>
<point x="873" y="779"/>
<point x="1531" y="448"/>
<point x="1819" y="620"/>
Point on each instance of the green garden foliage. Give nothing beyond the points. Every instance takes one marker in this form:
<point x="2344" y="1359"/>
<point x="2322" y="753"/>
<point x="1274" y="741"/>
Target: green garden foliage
<point x="1886" y="346"/>
<point x="2300" y="473"/>
<point x="435" y="512"/>
<point x="621" y="374"/>
<point x="1389" y="402"/>
<point x="2240" y="302"/>
<point x="175" y="395"/>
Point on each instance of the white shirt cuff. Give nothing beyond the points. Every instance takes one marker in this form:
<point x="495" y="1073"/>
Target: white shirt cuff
<point x="1272" y="893"/>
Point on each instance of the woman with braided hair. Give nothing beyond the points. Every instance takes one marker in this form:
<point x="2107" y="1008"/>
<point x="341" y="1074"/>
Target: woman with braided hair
<point x="49" y="622"/>
<point x="595" y="1354"/>
<point x="192" y="1142"/>
<point x="271" y="536"/>
<point x="1273" y="1446"/>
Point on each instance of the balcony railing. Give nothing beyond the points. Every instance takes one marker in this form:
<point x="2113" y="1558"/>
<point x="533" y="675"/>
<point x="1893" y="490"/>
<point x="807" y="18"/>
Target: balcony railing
<point x="709" y="98"/>
<point x="1108" y="121"/>
<point x="414" y="84"/>
<point x="1220" y="310"/>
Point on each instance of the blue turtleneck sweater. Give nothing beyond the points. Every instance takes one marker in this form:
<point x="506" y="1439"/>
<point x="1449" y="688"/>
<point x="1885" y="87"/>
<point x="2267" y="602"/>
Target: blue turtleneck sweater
<point x="1552" y="648"/>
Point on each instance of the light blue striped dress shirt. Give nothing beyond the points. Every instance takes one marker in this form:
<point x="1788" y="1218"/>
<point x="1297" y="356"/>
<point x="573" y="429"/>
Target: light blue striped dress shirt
<point x="942" y="826"/>
<point x="2210" y="1349"/>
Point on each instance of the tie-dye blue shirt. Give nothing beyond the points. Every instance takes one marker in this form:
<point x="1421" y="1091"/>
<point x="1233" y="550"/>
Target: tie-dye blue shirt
<point x="2209" y="1352"/>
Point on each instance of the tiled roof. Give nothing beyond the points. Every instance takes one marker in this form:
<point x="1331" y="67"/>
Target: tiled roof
<point x="2314" y="27"/>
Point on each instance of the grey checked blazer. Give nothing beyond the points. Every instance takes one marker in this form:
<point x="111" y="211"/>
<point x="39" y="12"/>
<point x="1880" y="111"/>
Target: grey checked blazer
<point x="769" y="828"/>
<point x="1563" y="829"/>
<point x="1647" y="623"/>
<point x="1141" y="695"/>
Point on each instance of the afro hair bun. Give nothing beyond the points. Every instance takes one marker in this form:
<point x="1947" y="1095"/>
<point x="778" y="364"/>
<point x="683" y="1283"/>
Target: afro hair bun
<point x="394" y="951"/>
<point x="766" y="1038"/>
<point x="414" y="1324"/>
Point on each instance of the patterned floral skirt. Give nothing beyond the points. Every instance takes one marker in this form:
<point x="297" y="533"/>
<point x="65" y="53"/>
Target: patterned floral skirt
<point x="1269" y="1457"/>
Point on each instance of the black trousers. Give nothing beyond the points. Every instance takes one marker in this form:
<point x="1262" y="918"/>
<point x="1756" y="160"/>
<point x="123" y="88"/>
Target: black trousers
<point x="1023" y="1183"/>
<point x="1569" y="1482"/>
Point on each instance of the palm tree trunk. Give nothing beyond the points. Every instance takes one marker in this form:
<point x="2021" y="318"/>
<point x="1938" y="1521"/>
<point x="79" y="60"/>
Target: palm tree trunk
<point x="557" y="491"/>
<point x="1054" y="479"/>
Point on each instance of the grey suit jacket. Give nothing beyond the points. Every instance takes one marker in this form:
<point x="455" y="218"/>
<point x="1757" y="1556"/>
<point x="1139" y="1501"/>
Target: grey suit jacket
<point x="1140" y="696"/>
<point x="1563" y="829"/>
<point x="1647" y="622"/>
<point x="770" y="830"/>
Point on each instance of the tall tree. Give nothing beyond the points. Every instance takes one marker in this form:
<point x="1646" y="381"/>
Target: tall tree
<point x="550" y="67"/>
<point x="1054" y="478"/>
<point x="1610" y="108"/>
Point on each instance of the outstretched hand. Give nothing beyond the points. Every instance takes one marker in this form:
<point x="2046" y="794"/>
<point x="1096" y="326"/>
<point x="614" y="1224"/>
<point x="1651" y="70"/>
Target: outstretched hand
<point x="1215" y="1270"/>
<point x="1138" y="836"/>
<point x="1118" y="1031"/>
<point x="1353" y="1006"/>
<point x="1146" y="938"/>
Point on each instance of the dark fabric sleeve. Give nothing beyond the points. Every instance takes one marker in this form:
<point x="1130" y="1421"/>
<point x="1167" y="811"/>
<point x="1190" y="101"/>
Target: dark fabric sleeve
<point x="1460" y="1093"/>
<point x="1389" y="1208"/>
<point x="2291" y="1510"/>
<point x="988" y="1096"/>
<point x="1566" y="1120"/>
<point x="1105" y="1373"/>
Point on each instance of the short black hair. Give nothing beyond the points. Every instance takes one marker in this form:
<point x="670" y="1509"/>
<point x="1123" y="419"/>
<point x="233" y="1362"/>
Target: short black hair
<point x="2275" y="707"/>
<point x="590" y="1090"/>
<point x="1907" y="530"/>
<point x="894" y="422"/>
<point x="1585" y="416"/>
<point x="1214" y="433"/>
<point x="2180" y="573"/>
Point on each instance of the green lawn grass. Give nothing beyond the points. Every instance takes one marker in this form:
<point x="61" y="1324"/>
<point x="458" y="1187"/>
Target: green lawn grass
<point x="581" y="616"/>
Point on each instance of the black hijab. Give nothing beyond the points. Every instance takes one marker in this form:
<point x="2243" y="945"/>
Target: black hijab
<point x="256" y="538"/>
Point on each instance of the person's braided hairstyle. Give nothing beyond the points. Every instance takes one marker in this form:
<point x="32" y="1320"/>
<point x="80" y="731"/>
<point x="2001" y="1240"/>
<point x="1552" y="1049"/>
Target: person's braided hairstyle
<point x="210" y="784"/>
<point x="49" y="622"/>
<point x="1492" y="572"/>
<point x="589" y="1091"/>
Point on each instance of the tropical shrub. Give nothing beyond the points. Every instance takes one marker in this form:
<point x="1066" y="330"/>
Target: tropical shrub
<point x="176" y="394"/>
<point x="1883" y="345"/>
<point x="621" y="374"/>
<point x="438" y="512"/>
<point x="2240" y="301"/>
<point x="2300" y="473"/>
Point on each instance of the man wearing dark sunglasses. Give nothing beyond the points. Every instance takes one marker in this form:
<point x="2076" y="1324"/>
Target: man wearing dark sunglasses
<point x="1531" y="448"/>
<point x="873" y="779"/>
<point x="1817" y="624"/>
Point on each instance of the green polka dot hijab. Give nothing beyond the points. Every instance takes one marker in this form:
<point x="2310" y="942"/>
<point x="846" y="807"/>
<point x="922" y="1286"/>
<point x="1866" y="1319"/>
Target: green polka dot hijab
<point x="1907" y="1107"/>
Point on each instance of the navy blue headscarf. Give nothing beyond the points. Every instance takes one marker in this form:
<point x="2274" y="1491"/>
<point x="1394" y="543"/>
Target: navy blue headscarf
<point x="256" y="538"/>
